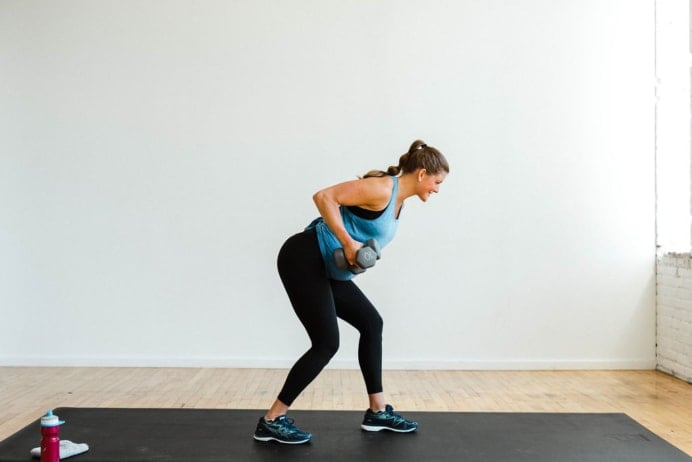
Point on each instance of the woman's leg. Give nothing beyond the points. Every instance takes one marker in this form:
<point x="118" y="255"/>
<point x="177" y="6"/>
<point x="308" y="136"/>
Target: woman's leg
<point x="354" y="307"/>
<point x="302" y="272"/>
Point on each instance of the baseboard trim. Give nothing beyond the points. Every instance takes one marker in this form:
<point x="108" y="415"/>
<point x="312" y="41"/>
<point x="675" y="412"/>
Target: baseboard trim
<point x="285" y="363"/>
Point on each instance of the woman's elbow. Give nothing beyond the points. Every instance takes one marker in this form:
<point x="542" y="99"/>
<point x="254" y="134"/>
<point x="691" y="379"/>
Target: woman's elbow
<point x="319" y="197"/>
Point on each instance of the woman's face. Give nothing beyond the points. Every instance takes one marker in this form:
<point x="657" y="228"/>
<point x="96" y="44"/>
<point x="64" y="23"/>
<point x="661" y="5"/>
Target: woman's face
<point x="429" y="184"/>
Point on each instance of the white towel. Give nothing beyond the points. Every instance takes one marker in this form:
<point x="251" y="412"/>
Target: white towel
<point x="67" y="449"/>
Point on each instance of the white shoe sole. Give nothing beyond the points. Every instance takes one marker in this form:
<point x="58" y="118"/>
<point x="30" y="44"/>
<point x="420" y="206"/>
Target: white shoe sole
<point x="271" y="438"/>
<point x="376" y="428"/>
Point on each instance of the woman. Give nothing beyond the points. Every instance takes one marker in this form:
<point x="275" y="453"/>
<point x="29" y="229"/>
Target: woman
<point x="351" y="213"/>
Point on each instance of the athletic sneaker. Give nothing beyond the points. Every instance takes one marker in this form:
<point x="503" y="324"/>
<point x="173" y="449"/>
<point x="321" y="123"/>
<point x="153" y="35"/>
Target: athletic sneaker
<point x="282" y="430"/>
<point x="387" y="420"/>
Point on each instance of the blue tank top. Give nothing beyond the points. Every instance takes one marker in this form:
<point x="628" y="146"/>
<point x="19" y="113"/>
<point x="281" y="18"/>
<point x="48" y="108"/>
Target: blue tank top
<point x="382" y="229"/>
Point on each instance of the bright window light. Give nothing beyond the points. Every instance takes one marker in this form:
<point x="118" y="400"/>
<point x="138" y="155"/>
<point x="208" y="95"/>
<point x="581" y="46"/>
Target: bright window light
<point x="673" y="126"/>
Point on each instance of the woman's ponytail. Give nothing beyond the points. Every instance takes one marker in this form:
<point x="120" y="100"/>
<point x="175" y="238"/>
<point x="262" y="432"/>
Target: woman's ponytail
<point x="419" y="155"/>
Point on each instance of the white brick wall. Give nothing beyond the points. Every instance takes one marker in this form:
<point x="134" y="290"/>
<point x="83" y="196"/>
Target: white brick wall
<point x="674" y="315"/>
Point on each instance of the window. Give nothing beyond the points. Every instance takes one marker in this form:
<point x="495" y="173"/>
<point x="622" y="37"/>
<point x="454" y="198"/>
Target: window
<point x="673" y="104"/>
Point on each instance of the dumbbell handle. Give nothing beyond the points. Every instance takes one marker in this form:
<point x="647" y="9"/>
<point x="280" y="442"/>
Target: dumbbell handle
<point x="365" y="257"/>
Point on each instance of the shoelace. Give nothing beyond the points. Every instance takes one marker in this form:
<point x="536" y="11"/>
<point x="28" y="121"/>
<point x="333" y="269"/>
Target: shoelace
<point x="286" y="426"/>
<point x="396" y="418"/>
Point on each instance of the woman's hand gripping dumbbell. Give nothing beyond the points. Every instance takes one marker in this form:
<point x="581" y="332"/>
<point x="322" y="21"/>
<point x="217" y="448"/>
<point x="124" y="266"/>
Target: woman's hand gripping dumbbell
<point x="366" y="257"/>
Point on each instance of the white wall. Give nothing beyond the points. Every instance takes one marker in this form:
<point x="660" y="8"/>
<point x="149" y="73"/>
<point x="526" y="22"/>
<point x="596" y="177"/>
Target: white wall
<point x="674" y="315"/>
<point x="155" y="155"/>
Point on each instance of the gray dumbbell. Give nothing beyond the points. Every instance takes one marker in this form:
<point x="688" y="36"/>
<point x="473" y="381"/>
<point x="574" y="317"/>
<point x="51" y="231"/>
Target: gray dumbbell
<point x="366" y="257"/>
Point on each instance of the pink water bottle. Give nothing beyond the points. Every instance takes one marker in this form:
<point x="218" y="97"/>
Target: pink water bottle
<point x="50" y="441"/>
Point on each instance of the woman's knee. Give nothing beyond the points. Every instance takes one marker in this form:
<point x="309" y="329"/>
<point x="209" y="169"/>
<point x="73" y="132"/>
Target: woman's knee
<point x="373" y="327"/>
<point x="378" y="326"/>
<point x="326" y="349"/>
<point x="370" y="326"/>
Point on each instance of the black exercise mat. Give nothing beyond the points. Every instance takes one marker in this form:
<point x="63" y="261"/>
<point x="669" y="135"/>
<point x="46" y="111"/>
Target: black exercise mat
<point x="205" y="435"/>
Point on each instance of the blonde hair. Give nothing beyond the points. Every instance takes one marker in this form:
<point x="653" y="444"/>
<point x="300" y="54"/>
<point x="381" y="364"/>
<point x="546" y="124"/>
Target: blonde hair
<point x="419" y="155"/>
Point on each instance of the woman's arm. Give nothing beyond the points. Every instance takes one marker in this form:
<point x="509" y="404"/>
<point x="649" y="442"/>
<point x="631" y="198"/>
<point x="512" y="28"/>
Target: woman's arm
<point x="369" y="193"/>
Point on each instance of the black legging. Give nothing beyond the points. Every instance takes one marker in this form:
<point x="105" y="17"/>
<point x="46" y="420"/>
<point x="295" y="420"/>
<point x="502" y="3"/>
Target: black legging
<point x="318" y="301"/>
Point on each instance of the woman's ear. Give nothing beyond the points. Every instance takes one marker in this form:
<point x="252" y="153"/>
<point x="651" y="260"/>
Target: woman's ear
<point x="421" y="174"/>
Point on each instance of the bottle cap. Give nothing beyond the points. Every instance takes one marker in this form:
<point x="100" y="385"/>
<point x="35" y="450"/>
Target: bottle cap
<point x="51" y="420"/>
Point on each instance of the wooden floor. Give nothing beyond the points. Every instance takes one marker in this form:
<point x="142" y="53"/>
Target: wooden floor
<point x="660" y="402"/>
